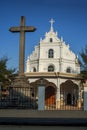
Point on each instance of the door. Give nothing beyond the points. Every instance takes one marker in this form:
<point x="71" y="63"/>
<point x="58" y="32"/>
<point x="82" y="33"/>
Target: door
<point x="50" y="95"/>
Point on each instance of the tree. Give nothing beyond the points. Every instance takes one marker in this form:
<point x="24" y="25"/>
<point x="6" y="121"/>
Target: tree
<point x="5" y="72"/>
<point x="83" y="62"/>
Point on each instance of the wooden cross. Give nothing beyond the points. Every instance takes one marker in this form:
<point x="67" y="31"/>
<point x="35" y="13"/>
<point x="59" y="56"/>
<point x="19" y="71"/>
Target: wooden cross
<point x="22" y="29"/>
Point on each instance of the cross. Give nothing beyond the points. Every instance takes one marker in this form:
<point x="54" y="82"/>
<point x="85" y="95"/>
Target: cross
<point x="22" y="29"/>
<point x="51" y="21"/>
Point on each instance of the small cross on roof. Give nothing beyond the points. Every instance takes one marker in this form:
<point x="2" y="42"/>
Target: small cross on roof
<point x="51" y="21"/>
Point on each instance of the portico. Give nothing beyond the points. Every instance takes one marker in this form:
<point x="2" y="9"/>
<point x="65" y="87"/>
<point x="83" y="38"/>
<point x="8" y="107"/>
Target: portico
<point x="61" y="92"/>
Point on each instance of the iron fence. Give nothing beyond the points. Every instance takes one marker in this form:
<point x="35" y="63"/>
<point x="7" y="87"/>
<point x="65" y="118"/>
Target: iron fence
<point x="69" y="98"/>
<point x="17" y="98"/>
<point x="27" y="98"/>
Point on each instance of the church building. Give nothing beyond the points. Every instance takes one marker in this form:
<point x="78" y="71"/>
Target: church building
<point x="58" y="66"/>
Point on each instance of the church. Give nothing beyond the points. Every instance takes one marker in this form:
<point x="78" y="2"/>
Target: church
<point x="59" y="68"/>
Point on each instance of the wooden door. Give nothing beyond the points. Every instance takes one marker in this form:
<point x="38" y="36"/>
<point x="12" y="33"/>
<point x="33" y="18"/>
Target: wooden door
<point x="50" y="95"/>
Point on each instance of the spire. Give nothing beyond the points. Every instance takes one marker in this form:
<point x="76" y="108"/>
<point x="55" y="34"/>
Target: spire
<point x="51" y="21"/>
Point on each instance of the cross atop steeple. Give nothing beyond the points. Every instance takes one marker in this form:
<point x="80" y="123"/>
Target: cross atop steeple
<point x="51" y="21"/>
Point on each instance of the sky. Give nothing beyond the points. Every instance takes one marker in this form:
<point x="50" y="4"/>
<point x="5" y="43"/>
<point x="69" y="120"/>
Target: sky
<point x="70" y="22"/>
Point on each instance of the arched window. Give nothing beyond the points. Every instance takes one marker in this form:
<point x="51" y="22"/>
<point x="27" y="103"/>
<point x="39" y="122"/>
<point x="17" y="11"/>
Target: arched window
<point x="68" y="70"/>
<point x="51" y="53"/>
<point x="34" y="69"/>
<point x="51" y="40"/>
<point x="50" y="68"/>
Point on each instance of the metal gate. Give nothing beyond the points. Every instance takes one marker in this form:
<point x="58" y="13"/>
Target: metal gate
<point x="70" y="99"/>
<point x="17" y="98"/>
<point x="27" y="98"/>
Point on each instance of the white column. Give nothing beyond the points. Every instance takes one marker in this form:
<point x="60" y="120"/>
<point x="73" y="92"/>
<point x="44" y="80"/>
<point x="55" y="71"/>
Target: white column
<point x="58" y="95"/>
<point x="79" y="96"/>
<point x="60" y="59"/>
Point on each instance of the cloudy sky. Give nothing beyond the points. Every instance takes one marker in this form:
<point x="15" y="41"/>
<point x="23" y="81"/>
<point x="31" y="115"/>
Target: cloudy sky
<point x="70" y="22"/>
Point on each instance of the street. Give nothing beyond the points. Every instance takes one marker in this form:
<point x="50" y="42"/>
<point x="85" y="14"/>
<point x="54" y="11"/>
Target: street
<point x="13" y="127"/>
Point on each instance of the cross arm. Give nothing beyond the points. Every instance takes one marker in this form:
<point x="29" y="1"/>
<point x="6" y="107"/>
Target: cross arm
<point x="29" y="29"/>
<point x="22" y="28"/>
<point x="14" y="29"/>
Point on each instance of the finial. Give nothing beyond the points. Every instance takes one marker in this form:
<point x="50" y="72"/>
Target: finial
<point x="40" y="39"/>
<point x="51" y="21"/>
<point x="77" y="56"/>
<point x="61" y="39"/>
<point x="56" y="33"/>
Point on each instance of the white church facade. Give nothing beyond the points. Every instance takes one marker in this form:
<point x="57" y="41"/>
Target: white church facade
<point x="59" y="67"/>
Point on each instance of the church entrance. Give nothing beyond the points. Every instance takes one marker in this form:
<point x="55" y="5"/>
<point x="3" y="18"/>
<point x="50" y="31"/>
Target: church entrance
<point x="69" y="95"/>
<point x="50" y="96"/>
<point x="50" y="93"/>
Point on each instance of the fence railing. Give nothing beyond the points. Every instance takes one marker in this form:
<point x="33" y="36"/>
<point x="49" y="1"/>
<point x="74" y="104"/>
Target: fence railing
<point x="25" y="98"/>
<point x="19" y="98"/>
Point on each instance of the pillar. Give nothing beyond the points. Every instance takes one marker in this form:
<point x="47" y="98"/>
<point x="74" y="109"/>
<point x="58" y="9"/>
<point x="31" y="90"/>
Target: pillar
<point x="41" y="97"/>
<point x="85" y="98"/>
<point x="58" y="95"/>
<point x="79" y="98"/>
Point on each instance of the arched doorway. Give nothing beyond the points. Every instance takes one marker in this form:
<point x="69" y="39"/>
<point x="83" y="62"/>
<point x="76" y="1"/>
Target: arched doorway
<point x="50" y="95"/>
<point x="69" y="93"/>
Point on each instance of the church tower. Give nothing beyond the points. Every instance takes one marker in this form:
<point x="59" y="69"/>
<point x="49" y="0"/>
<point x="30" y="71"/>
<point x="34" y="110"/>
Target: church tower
<point x="52" y="55"/>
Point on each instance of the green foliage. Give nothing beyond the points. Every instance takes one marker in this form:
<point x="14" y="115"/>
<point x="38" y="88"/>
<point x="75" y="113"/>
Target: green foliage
<point x="4" y="71"/>
<point x="83" y="62"/>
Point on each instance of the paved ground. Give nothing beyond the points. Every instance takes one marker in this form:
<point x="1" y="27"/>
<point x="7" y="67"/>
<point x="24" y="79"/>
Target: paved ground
<point x="42" y="114"/>
<point x="13" y="127"/>
<point x="33" y="117"/>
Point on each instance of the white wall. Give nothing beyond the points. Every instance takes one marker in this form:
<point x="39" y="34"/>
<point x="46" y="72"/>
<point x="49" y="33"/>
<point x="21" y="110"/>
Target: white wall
<point x="63" y="56"/>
